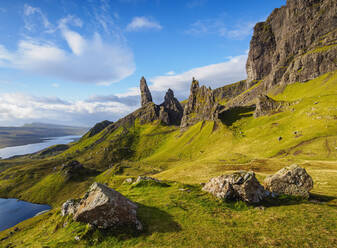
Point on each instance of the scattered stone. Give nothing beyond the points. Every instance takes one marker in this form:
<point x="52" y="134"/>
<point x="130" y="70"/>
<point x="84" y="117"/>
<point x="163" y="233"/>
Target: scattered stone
<point x="280" y="138"/>
<point x="240" y="185"/>
<point x="292" y="180"/>
<point x="128" y="180"/>
<point x="16" y="229"/>
<point x="260" y="208"/>
<point x="103" y="208"/>
<point x="145" y="178"/>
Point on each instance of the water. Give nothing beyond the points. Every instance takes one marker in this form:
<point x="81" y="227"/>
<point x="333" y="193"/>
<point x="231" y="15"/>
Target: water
<point x="13" y="211"/>
<point x="31" y="148"/>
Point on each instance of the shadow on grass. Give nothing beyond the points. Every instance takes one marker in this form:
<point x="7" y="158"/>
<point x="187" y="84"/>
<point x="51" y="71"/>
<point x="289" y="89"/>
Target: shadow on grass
<point x="229" y="116"/>
<point x="287" y="200"/>
<point x="153" y="220"/>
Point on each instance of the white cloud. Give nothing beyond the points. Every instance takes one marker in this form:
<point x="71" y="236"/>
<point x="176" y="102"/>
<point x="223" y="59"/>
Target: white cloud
<point x="29" y="12"/>
<point x="142" y="22"/>
<point x="218" y="26"/>
<point x="170" y="73"/>
<point x="90" y="60"/>
<point x="17" y="108"/>
<point x="55" y="85"/>
<point x="214" y="75"/>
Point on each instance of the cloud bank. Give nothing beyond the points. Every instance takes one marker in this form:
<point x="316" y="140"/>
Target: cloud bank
<point x="17" y="109"/>
<point x="84" y="60"/>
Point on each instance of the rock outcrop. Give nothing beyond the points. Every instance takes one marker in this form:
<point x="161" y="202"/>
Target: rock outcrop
<point x="103" y="208"/>
<point x="98" y="128"/>
<point x="201" y="105"/>
<point x="240" y="185"/>
<point x="171" y="110"/>
<point x="266" y="105"/>
<point x="145" y="93"/>
<point x="73" y="169"/>
<point x="227" y="92"/>
<point x="292" y="180"/>
<point x="297" y="43"/>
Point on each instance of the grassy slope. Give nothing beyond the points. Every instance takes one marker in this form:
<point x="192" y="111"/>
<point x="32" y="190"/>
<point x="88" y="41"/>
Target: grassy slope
<point x="179" y="219"/>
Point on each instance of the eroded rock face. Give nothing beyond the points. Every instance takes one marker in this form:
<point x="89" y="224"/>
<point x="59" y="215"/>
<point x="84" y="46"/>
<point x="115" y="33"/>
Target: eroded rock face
<point x="145" y="93"/>
<point x="265" y="105"/>
<point x="240" y="185"/>
<point x="103" y="208"/>
<point x="171" y="110"/>
<point x="292" y="180"/>
<point x="296" y="43"/>
<point x="201" y="105"/>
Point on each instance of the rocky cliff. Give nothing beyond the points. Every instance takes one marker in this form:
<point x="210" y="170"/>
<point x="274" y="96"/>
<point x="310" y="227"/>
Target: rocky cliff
<point x="296" y="43"/>
<point x="201" y="105"/>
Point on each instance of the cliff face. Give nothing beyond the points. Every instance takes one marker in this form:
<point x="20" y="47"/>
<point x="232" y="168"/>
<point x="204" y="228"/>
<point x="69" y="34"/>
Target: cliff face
<point x="297" y="42"/>
<point x="201" y="105"/>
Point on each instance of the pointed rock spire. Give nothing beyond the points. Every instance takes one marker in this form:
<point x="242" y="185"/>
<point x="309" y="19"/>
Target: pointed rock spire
<point x="171" y="109"/>
<point x="144" y="92"/>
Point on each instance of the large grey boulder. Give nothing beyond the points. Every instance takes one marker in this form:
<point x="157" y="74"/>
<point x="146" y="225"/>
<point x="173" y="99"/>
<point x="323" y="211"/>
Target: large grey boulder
<point x="240" y="185"/>
<point x="103" y="208"/>
<point x="292" y="180"/>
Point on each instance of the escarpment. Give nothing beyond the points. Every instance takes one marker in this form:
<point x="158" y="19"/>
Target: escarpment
<point x="297" y="43"/>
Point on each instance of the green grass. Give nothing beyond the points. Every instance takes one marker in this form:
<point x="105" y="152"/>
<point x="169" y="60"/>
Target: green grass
<point x="192" y="218"/>
<point x="322" y="49"/>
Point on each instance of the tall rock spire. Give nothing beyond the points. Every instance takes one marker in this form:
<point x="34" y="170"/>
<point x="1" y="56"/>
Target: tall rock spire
<point x="144" y="92"/>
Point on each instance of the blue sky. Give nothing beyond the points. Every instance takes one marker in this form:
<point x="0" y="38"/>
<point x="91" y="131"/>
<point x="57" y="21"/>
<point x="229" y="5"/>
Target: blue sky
<point x="79" y="62"/>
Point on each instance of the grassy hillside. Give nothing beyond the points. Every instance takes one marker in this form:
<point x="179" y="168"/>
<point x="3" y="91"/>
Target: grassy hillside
<point x="191" y="218"/>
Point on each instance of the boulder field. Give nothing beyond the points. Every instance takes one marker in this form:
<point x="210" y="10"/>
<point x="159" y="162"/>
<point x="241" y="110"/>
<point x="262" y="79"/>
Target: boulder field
<point x="103" y="207"/>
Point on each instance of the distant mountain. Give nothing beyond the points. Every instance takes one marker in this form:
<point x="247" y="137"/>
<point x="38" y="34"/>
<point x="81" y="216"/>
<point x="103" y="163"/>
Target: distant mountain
<point x="35" y="133"/>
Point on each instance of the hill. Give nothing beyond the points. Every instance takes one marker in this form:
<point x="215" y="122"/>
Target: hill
<point x="280" y="115"/>
<point x="35" y="133"/>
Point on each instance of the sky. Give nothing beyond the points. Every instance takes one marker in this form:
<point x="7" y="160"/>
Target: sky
<point x="78" y="62"/>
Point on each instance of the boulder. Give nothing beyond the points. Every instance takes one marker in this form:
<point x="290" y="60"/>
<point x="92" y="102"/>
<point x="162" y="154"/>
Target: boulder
<point x="145" y="178"/>
<point x="103" y="208"/>
<point x="240" y="185"/>
<point x="292" y="180"/>
<point x="70" y="207"/>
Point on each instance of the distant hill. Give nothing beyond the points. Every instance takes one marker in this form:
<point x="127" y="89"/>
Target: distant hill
<point x="35" y="133"/>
